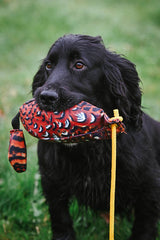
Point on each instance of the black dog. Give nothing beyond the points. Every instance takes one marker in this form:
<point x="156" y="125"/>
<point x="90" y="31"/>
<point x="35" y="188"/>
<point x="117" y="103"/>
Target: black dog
<point x="80" y="68"/>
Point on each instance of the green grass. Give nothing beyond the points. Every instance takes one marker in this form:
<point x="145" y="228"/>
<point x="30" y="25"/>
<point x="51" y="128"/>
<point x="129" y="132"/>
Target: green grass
<point x="28" y="28"/>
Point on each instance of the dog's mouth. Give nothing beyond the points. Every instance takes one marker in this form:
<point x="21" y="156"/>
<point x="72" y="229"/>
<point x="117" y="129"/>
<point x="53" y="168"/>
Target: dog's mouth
<point x="50" y="106"/>
<point x="54" y="101"/>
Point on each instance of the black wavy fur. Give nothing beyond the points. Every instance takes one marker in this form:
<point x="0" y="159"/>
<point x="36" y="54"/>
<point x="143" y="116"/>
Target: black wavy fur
<point x="76" y="68"/>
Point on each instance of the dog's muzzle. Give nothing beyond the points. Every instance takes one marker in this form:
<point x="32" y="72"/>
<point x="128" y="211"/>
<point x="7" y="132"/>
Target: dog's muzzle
<point x="48" y="97"/>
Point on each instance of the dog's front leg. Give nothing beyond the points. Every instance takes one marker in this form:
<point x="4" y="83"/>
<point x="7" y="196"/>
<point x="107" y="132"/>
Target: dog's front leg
<point x="144" y="228"/>
<point x="56" y="190"/>
<point x="146" y="215"/>
<point x="61" y="221"/>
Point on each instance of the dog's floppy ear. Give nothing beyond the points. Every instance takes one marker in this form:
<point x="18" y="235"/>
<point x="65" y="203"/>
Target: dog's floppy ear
<point x="39" y="78"/>
<point x="123" y="81"/>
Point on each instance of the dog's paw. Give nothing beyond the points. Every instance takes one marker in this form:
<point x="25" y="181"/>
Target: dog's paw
<point x="64" y="237"/>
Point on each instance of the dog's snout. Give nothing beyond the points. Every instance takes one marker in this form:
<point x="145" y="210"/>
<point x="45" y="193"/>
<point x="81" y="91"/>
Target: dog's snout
<point x="48" y="97"/>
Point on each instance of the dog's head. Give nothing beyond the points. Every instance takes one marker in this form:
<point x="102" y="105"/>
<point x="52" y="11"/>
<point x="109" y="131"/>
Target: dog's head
<point x="79" y="67"/>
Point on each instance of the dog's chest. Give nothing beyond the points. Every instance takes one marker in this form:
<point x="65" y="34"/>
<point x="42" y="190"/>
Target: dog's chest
<point x="90" y="175"/>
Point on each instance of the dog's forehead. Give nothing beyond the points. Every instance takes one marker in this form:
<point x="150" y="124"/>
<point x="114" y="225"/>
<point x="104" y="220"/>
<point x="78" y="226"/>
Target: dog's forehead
<point x="77" y="44"/>
<point x="64" y="45"/>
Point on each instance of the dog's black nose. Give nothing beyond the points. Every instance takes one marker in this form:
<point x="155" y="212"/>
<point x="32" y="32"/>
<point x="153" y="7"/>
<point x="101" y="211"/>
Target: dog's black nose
<point x="48" y="97"/>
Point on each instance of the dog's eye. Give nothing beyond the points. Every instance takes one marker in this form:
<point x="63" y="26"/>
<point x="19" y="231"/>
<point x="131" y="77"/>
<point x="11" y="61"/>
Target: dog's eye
<point x="48" y="66"/>
<point x="79" y="65"/>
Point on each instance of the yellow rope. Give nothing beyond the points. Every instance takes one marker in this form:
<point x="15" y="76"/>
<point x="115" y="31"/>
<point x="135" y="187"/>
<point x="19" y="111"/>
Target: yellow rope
<point x="113" y="176"/>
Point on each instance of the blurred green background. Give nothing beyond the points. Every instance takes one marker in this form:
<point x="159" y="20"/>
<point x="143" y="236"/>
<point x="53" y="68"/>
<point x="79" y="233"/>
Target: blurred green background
<point x="28" y="28"/>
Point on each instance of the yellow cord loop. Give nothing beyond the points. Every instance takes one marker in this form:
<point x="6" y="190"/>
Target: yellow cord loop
<point x="113" y="176"/>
